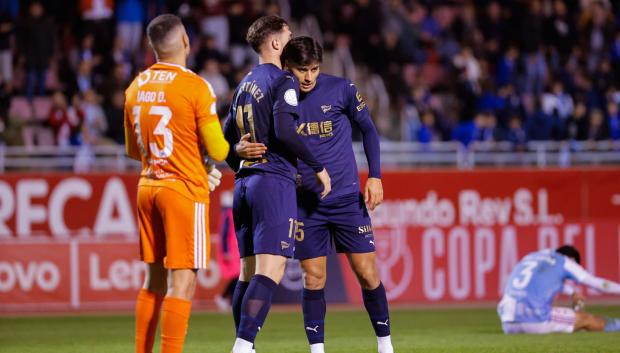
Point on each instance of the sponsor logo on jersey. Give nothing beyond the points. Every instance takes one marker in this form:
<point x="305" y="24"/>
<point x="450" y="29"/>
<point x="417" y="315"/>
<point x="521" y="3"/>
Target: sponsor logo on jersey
<point x="364" y="229"/>
<point x="362" y="104"/>
<point x="285" y="245"/>
<point x="326" y="108"/>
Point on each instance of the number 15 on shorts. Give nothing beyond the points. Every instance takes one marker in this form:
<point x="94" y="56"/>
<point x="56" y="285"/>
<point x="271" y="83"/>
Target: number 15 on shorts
<point x="296" y="229"/>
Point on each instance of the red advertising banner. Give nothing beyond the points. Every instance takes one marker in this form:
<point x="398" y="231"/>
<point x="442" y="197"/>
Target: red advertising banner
<point x="35" y="276"/>
<point x="69" y="241"/>
<point x="455" y="236"/>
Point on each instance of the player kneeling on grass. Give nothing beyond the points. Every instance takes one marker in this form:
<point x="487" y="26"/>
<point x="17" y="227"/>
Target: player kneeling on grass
<point x="526" y="306"/>
<point x="169" y="119"/>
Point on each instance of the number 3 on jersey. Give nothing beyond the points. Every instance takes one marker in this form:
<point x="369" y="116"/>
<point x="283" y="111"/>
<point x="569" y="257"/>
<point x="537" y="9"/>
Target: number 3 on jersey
<point x="160" y="129"/>
<point x="525" y="276"/>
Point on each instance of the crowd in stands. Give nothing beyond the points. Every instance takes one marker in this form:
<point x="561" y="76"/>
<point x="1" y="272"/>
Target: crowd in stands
<point x="434" y="70"/>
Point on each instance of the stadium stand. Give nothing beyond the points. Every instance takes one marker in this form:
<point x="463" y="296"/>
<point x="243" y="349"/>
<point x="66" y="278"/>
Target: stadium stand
<point x="490" y="71"/>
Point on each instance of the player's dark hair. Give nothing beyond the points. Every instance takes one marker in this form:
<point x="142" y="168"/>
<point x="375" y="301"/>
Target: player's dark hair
<point x="159" y="28"/>
<point x="570" y="251"/>
<point x="262" y="28"/>
<point x="302" y="51"/>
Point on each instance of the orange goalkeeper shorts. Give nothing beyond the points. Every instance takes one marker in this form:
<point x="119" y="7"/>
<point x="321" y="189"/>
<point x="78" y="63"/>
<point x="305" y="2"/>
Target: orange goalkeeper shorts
<point x="173" y="229"/>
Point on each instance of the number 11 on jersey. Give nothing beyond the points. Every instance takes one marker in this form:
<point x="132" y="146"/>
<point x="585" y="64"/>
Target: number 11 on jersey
<point x="247" y="108"/>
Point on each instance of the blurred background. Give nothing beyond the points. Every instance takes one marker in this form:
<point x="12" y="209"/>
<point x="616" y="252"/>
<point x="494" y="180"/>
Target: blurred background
<point x="499" y="122"/>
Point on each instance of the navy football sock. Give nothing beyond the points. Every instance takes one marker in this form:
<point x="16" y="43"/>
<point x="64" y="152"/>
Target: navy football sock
<point x="376" y="304"/>
<point x="313" y="304"/>
<point x="255" y="306"/>
<point x="237" y="299"/>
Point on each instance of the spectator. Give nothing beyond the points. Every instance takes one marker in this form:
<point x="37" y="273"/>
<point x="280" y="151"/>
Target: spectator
<point x="507" y="67"/>
<point x="539" y="126"/>
<point x="469" y="131"/>
<point x="597" y="30"/>
<point x="114" y="113"/>
<point x="428" y="132"/>
<point x="5" y="102"/>
<point x="97" y="17"/>
<point x="95" y="123"/>
<point x="516" y="134"/>
<point x="130" y="16"/>
<point x="470" y="69"/>
<point x="215" y="24"/>
<point x="578" y="123"/>
<point x="560" y="31"/>
<point x="8" y="12"/>
<point x="557" y="101"/>
<point x="614" y="120"/>
<point x="211" y="73"/>
<point x="239" y="19"/>
<point x="36" y="45"/>
<point x="208" y="50"/>
<point x="340" y="62"/>
<point x="535" y="72"/>
<point x="84" y="79"/>
<point x="65" y="121"/>
<point x="596" y="129"/>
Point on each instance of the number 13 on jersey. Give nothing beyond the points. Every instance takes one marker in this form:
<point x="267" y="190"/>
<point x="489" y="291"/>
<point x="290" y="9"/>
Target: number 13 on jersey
<point x="165" y="115"/>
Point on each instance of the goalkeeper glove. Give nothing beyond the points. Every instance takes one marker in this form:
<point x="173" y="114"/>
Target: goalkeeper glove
<point x="215" y="177"/>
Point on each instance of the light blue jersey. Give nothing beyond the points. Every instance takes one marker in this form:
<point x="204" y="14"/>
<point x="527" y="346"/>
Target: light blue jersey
<point x="534" y="283"/>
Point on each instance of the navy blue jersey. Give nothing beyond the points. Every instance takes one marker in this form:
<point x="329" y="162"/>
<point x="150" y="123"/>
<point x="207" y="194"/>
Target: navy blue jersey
<point x="262" y="94"/>
<point x="326" y="117"/>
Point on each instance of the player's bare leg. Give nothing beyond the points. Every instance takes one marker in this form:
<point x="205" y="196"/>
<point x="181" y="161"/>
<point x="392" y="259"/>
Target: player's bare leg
<point x="257" y="299"/>
<point x="148" y="306"/>
<point x="591" y="322"/>
<point x="365" y="267"/>
<point x="313" y="301"/>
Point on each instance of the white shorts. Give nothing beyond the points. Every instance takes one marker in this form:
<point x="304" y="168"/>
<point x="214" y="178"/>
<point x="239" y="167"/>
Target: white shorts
<point x="562" y="321"/>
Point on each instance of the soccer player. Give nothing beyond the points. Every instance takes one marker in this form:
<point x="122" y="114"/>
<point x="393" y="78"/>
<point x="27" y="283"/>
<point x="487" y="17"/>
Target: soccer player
<point x="526" y="306"/>
<point x="263" y="113"/>
<point x="329" y="107"/>
<point x="170" y="118"/>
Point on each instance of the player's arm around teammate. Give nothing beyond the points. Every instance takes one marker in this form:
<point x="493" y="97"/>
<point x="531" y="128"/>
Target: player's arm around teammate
<point x="264" y="207"/>
<point x="169" y="116"/>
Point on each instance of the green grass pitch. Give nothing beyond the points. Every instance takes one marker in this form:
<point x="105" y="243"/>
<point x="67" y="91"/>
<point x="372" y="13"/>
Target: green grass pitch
<point x="446" y="330"/>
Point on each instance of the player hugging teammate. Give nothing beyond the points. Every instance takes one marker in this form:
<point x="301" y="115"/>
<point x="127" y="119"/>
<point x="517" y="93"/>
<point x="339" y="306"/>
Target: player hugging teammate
<point x="267" y="218"/>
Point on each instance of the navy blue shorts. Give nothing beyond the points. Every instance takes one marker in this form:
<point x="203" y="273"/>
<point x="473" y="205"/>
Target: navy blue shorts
<point x="342" y="225"/>
<point x="265" y="213"/>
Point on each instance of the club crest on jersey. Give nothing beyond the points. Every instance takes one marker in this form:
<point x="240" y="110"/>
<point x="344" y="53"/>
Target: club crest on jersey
<point x="290" y="97"/>
<point x="326" y="108"/>
<point x="143" y="78"/>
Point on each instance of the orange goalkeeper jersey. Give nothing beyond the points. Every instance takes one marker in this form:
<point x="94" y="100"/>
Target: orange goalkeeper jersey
<point x="168" y="112"/>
